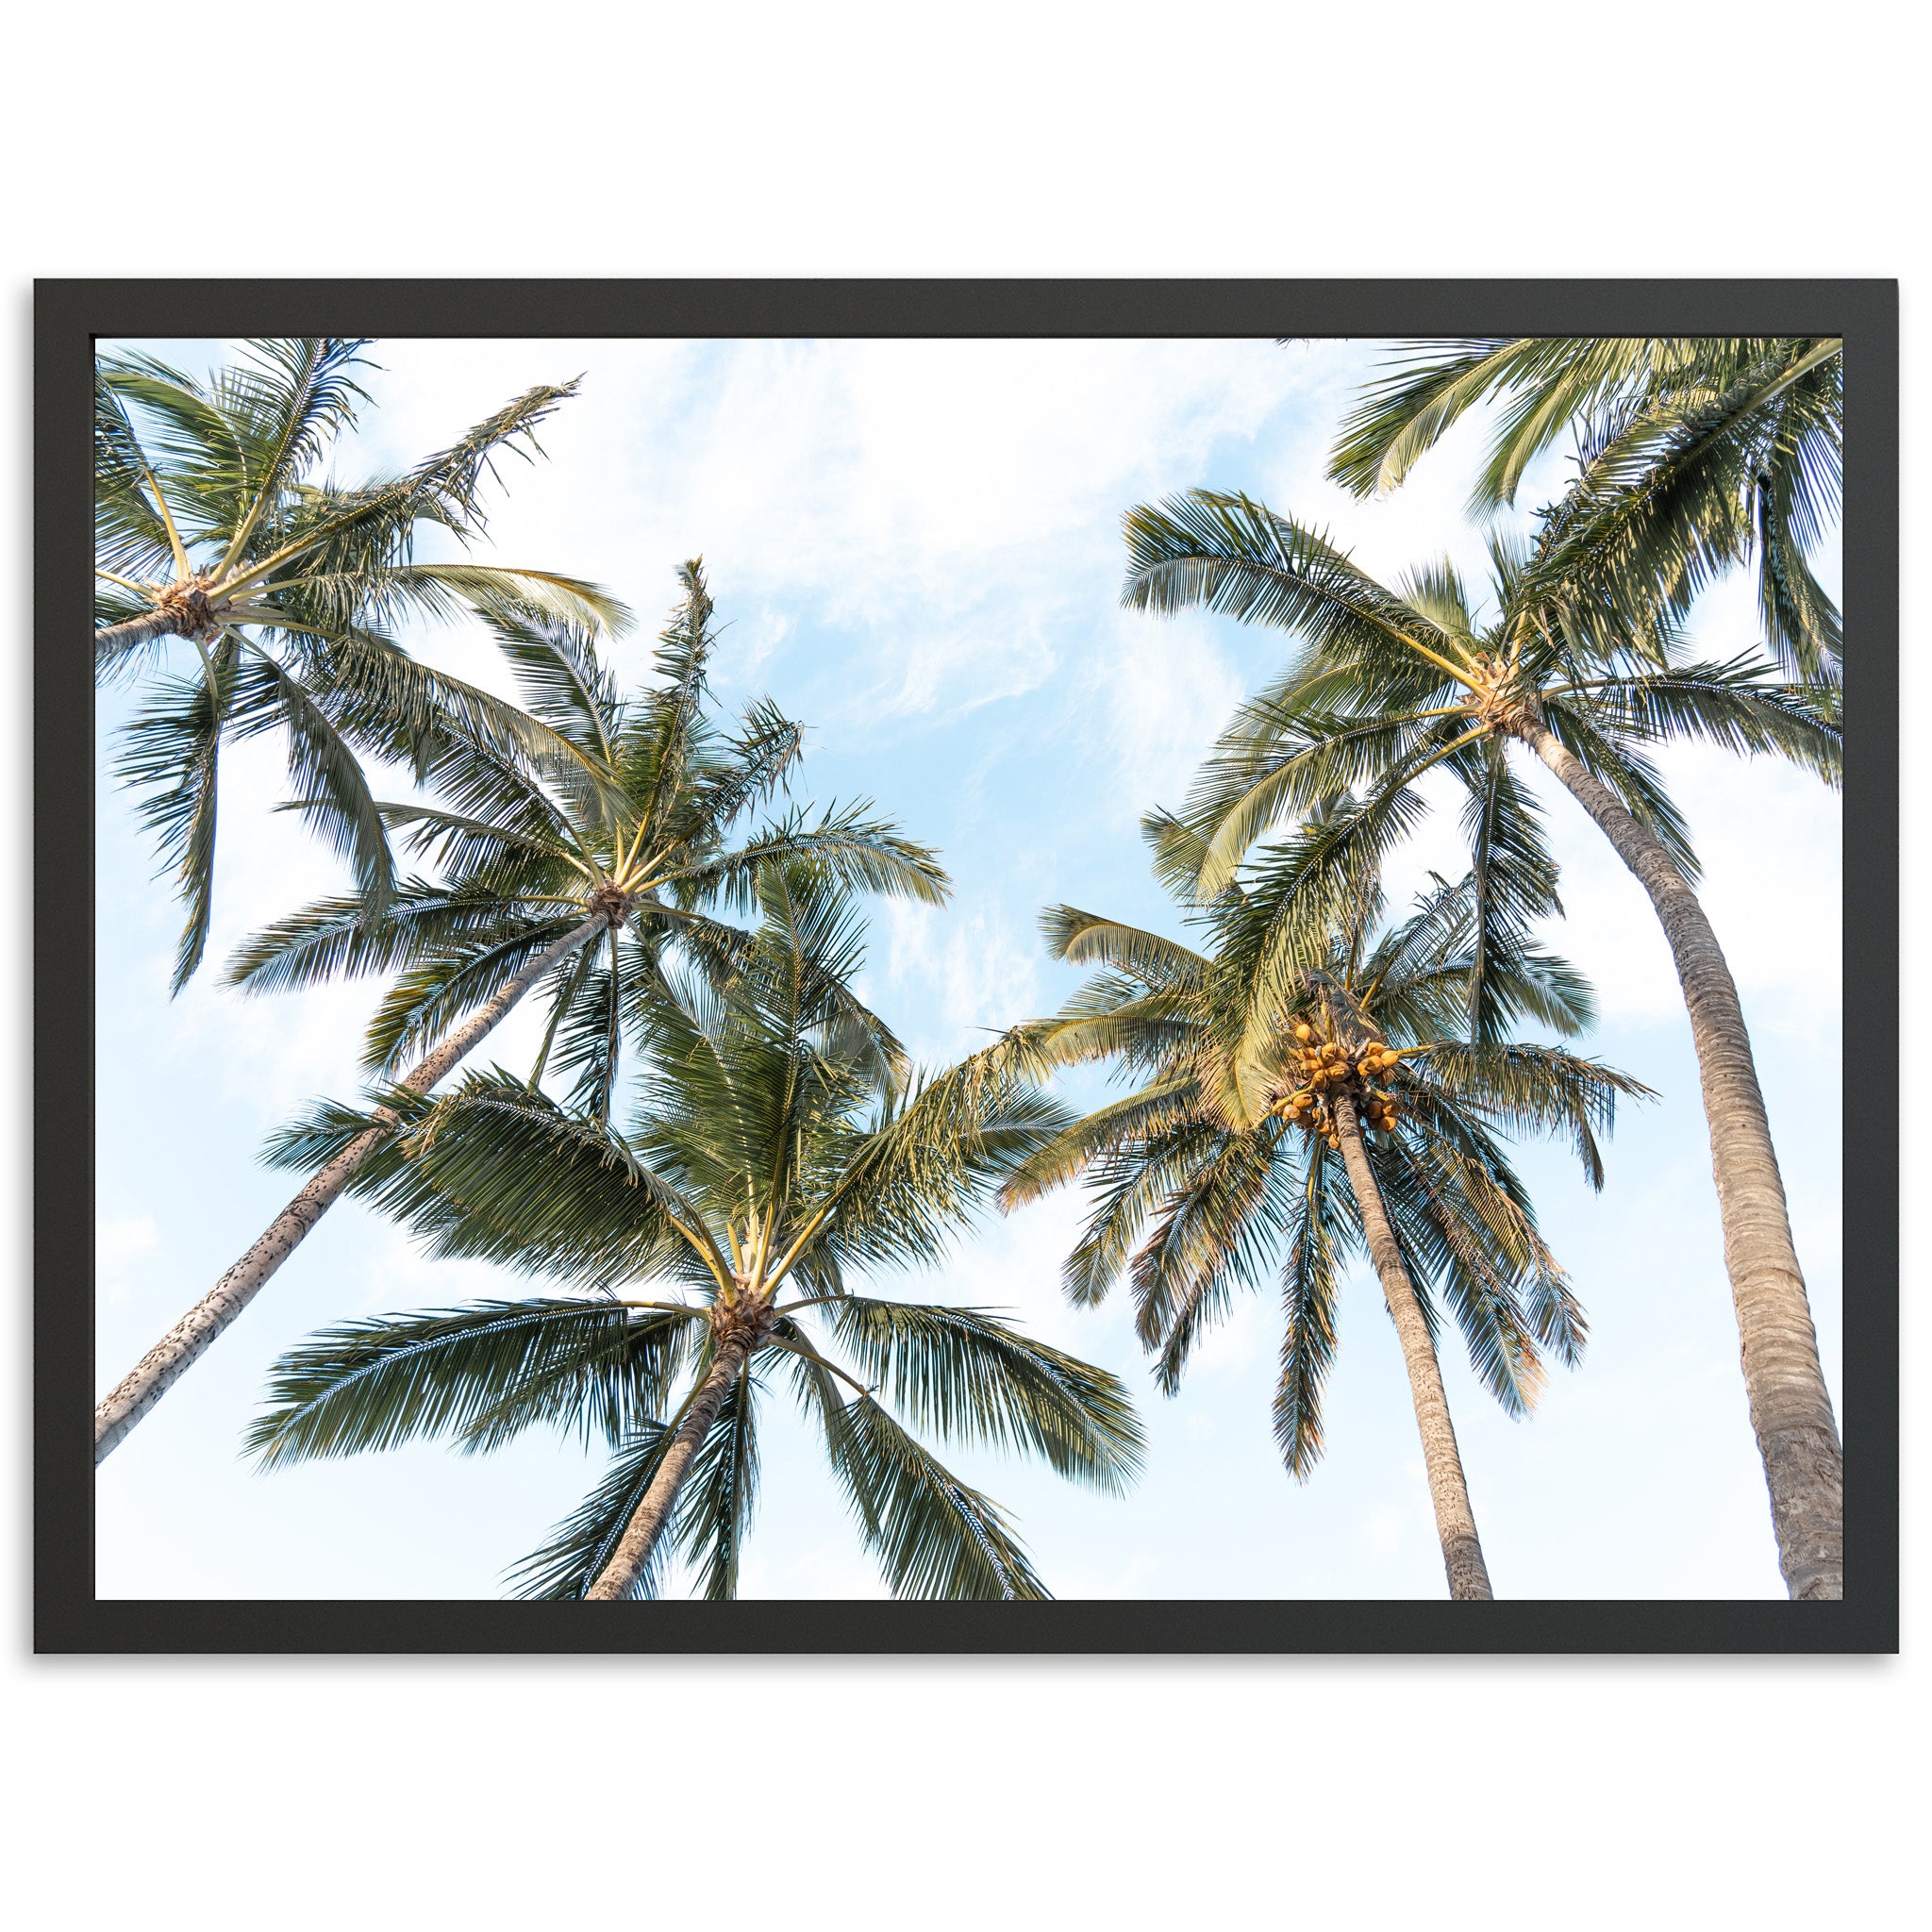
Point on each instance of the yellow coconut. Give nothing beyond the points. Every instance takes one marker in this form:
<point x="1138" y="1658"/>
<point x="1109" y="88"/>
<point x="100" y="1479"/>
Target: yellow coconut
<point x="1303" y="1031"/>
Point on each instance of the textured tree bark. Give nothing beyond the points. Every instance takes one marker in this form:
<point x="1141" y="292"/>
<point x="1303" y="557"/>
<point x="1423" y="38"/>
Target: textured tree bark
<point x="1790" y="1407"/>
<point x="165" y="1363"/>
<point x="1463" y="1551"/>
<point x="131" y="631"/>
<point x="649" y="1518"/>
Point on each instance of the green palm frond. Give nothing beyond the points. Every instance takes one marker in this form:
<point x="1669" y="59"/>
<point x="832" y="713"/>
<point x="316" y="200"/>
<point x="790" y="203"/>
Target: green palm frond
<point x="497" y="1170"/>
<point x="1139" y="1117"/>
<point x="1513" y="878"/>
<point x="1459" y="1254"/>
<point x="1307" y="1336"/>
<point x="323" y="768"/>
<point x="1433" y="384"/>
<point x="426" y="1002"/>
<point x="334" y="938"/>
<point x="1212" y="1235"/>
<point x="564" y="1569"/>
<point x="1739" y="706"/>
<point x="1111" y="1020"/>
<point x="715" y="1507"/>
<point x="562" y="680"/>
<point x="1231" y="555"/>
<point x="859" y="853"/>
<point x="754" y="767"/>
<point x="478" y="1376"/>
<point x="1083" y="938"/>
<point x="1673" y="491"/>
<point x="1533" y="1090"/>
<point x="509" y="593"/>
<point x="933" y="1159"/>
<point x="975" y="1378"/>
<point x="173" y="752"/>
<point x="933" y="1537"/>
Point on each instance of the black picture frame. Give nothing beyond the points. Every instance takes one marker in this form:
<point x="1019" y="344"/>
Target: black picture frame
<point x="70" y="314"/>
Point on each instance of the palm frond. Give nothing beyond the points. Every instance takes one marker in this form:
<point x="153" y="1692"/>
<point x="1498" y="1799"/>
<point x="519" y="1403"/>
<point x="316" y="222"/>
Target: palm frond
<point x="564" y="1569"/>
<point x="173" y="753"/>
<point x="478" y="1375"/>
<point x="1087" y="939"/>
<point x="1307" y="1337"/>
<point x="935" y="1536"/>
<point x="974" y="1378"/>
<point x="720" y="1494"/>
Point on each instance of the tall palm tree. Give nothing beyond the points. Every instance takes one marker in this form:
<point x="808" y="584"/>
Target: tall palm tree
<point x="609" y="840"/>
<point x="1726" y="446"/>
<point x="1300" y="1104"/>
<point x="215" y="523"/>
<point x="1579" y="669"/>
<point x="774" y="1151"/>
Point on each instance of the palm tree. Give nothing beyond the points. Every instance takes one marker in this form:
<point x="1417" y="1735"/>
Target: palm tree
<point x="776" y="1149"/>
<point x="1726" y="446"/>
<point x="1574" y="667"/>
<point x="615" y="827"/>
<point x="1275" y="1117"/>
<point x="215" y="523"/>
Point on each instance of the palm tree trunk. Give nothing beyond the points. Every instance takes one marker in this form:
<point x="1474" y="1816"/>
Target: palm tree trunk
<point x="164" y="1364"/>
<point x="1790" y="1407"/>
<point x="1463" y="1551"/>
<point x="649" y="1518"/>
<point x="131" y="631"/>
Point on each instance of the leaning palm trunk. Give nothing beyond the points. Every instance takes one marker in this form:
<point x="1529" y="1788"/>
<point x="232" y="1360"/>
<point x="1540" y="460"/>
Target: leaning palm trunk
<point x="640" y="1534"/>
<point x="113" y="639"/>
<point x="171" y="1358"/>
<point x="1463" y="1551"/>
<point x="1790" y="1407"/>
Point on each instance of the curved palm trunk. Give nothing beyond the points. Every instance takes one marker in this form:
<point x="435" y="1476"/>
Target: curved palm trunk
<point x="164" y="1364"/>
<point x="649" y="1518"/>
<point x="1463" y="1551"/>
<point x="1790" y="1407"/>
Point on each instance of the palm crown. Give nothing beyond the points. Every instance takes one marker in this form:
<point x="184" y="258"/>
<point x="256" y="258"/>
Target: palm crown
<point x="1225" y="1161"/>
<point x="624" y="821"/>
<point x="774" y="1152"/>
<point x="215" y="523"/>
<point x="1391" y="684"/>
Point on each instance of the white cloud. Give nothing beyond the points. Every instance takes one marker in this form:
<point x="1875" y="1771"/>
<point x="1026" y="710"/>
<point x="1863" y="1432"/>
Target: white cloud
<point x="972" y="971"/>
<point x="1167" y="689"/>
<point x="949" y="509"/>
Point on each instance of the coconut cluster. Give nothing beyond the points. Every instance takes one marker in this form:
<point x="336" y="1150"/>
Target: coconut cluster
<point x="1331" y="1067"/>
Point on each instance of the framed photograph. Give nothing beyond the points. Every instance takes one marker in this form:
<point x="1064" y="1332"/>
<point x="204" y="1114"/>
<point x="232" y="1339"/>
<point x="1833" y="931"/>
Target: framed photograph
<point x="967" y="966"/>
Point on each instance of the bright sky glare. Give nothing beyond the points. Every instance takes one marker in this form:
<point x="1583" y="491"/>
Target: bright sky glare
<point x="917" y="547"/>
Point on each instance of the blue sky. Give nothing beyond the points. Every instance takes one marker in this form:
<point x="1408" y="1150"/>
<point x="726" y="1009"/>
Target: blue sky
<point x="917" y="547"/>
